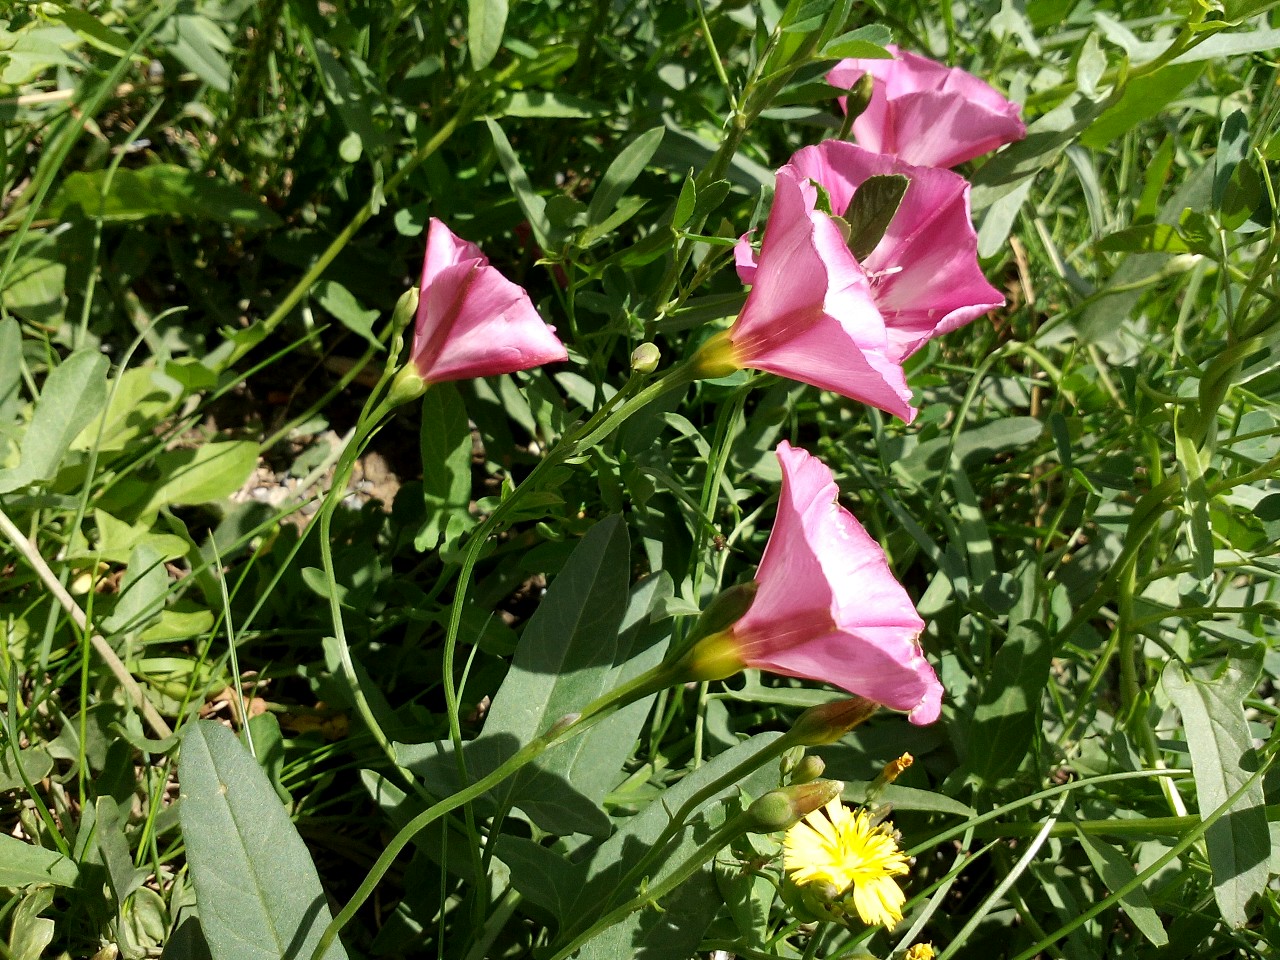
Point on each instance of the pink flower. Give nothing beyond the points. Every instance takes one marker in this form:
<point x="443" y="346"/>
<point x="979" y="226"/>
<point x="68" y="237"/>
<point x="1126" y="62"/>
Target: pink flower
<point x="472" y="321"/>
<point x="827" y="607"/>
<point x="925" y="113"/>
<point x="924" y="273"/>
<point x="810" y="315"/>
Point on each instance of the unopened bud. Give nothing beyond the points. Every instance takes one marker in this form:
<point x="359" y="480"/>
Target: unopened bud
<point x="828" y="722"/>
<point x="808" y="769"/>
<point x="790" y="760"/>
<point x="563" y="724"/>
<point x="644" y="358"/>
<point x="406" y="309"/>
<point x="859" y="97"/>
<point x="782" y="808"/>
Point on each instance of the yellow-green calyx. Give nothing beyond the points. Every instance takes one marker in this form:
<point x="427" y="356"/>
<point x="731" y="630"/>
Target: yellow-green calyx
<point x="407" y="385"/>
<point x="714" y="657"/>
<point x="716" y="358"/>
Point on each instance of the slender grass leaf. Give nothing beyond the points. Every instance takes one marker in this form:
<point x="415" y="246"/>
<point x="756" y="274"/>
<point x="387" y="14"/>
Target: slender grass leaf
<point x="73" y="394"/>
<point x="1210" y="699"/>
<point x="258" y="891"/>
<point x="534" y="206"/>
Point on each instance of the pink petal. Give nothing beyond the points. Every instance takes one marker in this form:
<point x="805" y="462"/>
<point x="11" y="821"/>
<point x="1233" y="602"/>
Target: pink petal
<point x="744" y="260"/>
<point x="927" y="113"/>
<point x="809" y="315"/>
<point x="828" y="607"/>
<point x="472" y="321"/>
<point x="924" y="274"/>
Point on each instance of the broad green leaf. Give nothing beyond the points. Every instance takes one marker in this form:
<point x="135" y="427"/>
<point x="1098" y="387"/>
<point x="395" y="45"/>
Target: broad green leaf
<point x="142" y="592"/>
<point x="30" y="933"/>
<point x="1144" y="238"/>
<point x="10" y="370"/>
<point x="1233" y="145"/>
<point x="35" y="763"/>
<point x="199" y="44"/>
<point x="22" y="863"/>
<point x="138" y="402"/>
<point x="1142" y="98"/>
<point x="972" y="447"/>
<point x="92" y="30"/>
<point x="161" y="190"/>
<point x="339" y="302"/>
<point x="445" y="441"/>
<point x="565" y="659"/>
<point x="622" y="173"/>
<point x="1211" y="701"/>
<point x="73" y="392"/>
<point x="486" y="20"/>
<point x="871" y="211"/>
<point x="258" y="891"/>
<point x="863" y="43"/>
<point x="345" y="86"/>
<point x="1115" y="870"/>
<point x="540" y="103"/>
<point x="207" y="473"/>
<point x="1008" y="711"/>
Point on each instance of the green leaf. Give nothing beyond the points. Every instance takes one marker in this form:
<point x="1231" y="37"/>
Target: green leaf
<point x="1007" y="715"/>
<point x="73" y="393"/>
<point x="1233" y="145"/>
<point x="686" y="203"/>
<point x="534" y="206"/>
<point x="36" y="764"/>
<point x="565" y="659"/>
<point x="622" y="173"/>
<point x="863" y="43"/>
<point x="186" y="477"/>
<point x="10" y="371"/>
<point x="486" y="20"/>
<point x="445" y="441"/>
<point x="540" y="103"/>
<point x="142" y="592"/>
<point x="1115" y="870"/>
<point x="161" y="190"/>
<point x="92" y="30"/>
<point x="1144" y="238"/>
<point x="1211" y="701"/>
<point x="30" y="933"/>
<point x="22" y="864"/>
<point x="257" y="889"/>
<point x="198" y="44"/>
<point x="1143" y="97"/>
<point x="338" y="301"/>
<point x="871" y="211"/>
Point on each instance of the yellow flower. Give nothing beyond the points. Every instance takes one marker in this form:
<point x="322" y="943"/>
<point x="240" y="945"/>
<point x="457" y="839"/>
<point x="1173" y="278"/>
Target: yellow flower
<point x="920" y="951"/>
<point x="840" y="849"/>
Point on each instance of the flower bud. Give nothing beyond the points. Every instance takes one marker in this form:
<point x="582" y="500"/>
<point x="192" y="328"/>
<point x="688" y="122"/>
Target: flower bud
<point x="808" y="769"/>
<point x="406" y="309"/>
<point x="859" y="97"/>
<point x="782" y="808"/>
<point x="828" y="722"/>
<point x="644" y="359"/>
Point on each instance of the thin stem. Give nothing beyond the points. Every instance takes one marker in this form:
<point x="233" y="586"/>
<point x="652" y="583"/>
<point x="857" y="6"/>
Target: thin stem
<point x="100" y="646"/>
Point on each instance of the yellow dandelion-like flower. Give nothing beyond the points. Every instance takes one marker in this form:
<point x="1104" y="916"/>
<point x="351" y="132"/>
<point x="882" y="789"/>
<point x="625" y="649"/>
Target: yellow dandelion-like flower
<point x="836" y="846"/>
<point x="919" y="951"/>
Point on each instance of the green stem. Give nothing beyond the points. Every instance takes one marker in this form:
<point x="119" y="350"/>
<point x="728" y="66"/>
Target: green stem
<point x="567" y="727"/>
<point x="677" y="876"/>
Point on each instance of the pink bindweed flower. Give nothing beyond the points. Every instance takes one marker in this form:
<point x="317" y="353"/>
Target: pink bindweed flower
<point x="472" y="321"/>
<point x="924" y="272"/>
<point x="810" y="315"/>
<point x="926" y="113"/>
<point x="826" y="605"/>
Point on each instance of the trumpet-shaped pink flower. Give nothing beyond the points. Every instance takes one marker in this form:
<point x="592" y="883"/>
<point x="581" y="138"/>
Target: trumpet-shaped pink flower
<point x="827" y="607"/>
<point x="924" y="272"/>
<point x="472" y="321"/>
<point x="810" y="315"/>
<point x="926" y="113"/>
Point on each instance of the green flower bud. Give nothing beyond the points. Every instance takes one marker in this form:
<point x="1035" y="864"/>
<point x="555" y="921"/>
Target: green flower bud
<point x="782" y="808"/>
<point x="828" y="722"/>
<point x="644" y="359"/>
<point x="808" y="769"/>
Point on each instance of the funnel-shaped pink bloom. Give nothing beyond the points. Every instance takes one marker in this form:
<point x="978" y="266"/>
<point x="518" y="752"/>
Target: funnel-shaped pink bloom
<point x="926" y="113"/>
<point x="924" y="273"/>
<point x="472" y="321"/>
<point x="827" y="607"/>
<point x="810" y="315"/>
